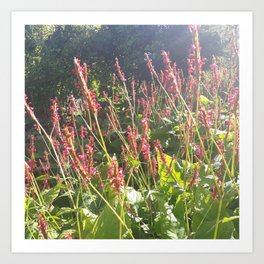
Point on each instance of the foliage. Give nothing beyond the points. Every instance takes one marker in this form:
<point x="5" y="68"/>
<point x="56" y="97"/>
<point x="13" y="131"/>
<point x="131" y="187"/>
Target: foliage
<point x="50" y="49"/>
<point x="157" y="159"/>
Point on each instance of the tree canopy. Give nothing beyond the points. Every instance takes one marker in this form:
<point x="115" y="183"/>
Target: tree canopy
<point x="50" y="49"/>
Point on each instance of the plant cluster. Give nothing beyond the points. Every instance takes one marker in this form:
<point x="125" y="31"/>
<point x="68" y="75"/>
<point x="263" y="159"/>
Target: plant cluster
<point x="152" y="160"/>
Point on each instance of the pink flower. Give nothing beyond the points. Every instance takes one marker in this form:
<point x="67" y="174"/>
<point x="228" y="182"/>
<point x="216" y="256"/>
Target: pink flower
<point x="145" y="149"/>
<point x="159" y="150"/>
<point x="194" y="27"/>
<point x="115" y="174"/>
<point x="145" y="127"/>
<point x="54" y="108"/>
<point x="206" y="117"/>
<point x="132" y="139"/>
<point x="42" y="226"/>
<point x="154" y="167"/>
<point x="119" y="71"/>
<point x="166" y="112"/>
<point x="233" y="97"/>
<point x="199" y="152"/>
<point x="89" y="95"/>
<point x="83" y="132"/>
<point x="32" y="148"/>
<point x="150" y="65"/>
<point x="195" y="177"/>
<point x="72" y="105"/>
<point x="221" y="146"/>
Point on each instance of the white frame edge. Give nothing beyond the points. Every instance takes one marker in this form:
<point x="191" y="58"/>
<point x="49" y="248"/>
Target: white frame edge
<point x="244" y="244"/>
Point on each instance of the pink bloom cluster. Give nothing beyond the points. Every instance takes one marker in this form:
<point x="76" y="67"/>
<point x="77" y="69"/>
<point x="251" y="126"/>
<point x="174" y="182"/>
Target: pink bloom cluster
<point x="199" y="152"/>
<point x="132" y="135"/>
<point x="206" y="117"/>
<point x="170" y="76"/>
<point x="82" y="73"/>
<point x="42" y="226"/>
<point x="119" y="71"/>
<point x="115" y="174"/>
<point x="32" y="148"/>
<point x="194" y="28"/>
<point x="83" y="132"/>
<point x="195" y="63"/>
<point x="216" y="76"/>
<point x="233" y="97"/>
<point x="54" y="108"/>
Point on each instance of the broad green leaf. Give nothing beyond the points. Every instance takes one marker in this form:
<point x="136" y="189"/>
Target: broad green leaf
<point x="87" y="220"/>
<point x="91" y="202"/>
<point x="169" y="171"/>
<point x="31" y="206"/>
<point x="50" y="195"/>
<point x="108" y="226"/>
<point x="133" y="197"/>
<point x="166" y="225"/>
<point x="204" y="221"/>
<point x="135" y="202"/>
<point x="179" y="208"/>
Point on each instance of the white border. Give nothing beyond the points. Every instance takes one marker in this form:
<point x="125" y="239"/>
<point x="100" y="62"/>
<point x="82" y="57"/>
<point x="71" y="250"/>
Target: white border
<point x="244" y="20"/>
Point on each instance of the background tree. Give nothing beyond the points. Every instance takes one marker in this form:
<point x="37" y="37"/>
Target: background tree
<point x="50" y="49"/>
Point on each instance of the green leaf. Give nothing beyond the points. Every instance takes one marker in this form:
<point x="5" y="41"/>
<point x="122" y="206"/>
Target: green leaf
<point x="204" y="100"/>
<point x="43" y="177"/>
<point x="135" y="202"/>
<point x="221" y="134"/>
<point x="169" y="171"/>
<point x="134" y="197"/>
<point x="139" y="116"/>
<point x="166" y="224"/>
<point x="103" y="171"/>
<point x="204" y="221"/>
<point x="91" y="202"/>
<point x="179" y="208"/>
<point x="108" y="226"/>
<point x="228" y="219"/>
<point x="65" y="210"/>
<point x="50" y="195"/>
<point x="133" y="162"/>
<point x="87" y="220"/>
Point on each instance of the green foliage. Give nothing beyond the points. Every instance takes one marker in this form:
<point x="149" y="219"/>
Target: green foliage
<point x="50" y="195"/>
<point x="159" y="160"/>
<point x="109" y="226"/>
<point x="50" y="50"/>
<point x="169" y="173"/>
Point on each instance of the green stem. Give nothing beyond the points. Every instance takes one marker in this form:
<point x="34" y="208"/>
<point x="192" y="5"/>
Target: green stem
<point x="218" y="217"/>
<point x="102" y="139"/>
<point x="77" y="215"/>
